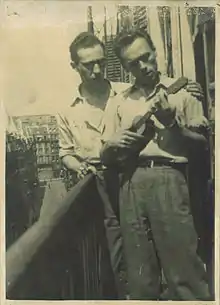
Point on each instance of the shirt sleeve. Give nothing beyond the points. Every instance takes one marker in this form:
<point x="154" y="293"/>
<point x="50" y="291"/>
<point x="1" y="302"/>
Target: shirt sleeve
<point x="67" y="143"/>
<point x="111" y="120"/>
<point x="194" y="115"/>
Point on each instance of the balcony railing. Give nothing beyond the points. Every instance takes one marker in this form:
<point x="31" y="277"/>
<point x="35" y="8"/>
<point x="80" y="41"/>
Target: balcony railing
<point x="63" y="255"/>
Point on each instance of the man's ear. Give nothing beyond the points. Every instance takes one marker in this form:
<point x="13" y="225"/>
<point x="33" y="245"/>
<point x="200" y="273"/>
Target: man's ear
<point x="73" y="65"/>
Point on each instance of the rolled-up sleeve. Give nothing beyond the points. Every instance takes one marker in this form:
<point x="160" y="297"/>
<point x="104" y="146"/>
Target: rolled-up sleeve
<point x="111" y="120"/>
<point x="194" y="113"/>
<point x="67" y="143"/>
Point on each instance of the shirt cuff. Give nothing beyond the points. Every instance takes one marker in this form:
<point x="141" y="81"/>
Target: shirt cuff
<point x="199" y="122"/>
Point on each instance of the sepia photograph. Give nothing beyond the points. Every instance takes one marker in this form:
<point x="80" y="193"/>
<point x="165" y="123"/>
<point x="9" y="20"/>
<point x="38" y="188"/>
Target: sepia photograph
<point x="109" y="113"/>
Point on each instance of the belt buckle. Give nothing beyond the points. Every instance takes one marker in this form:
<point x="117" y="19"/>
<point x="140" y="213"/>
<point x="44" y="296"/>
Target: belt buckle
<point x="151" y="165"/>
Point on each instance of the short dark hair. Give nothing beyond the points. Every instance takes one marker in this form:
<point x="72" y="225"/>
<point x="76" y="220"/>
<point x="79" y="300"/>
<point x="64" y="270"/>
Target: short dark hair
<point x="83" y="40"/>
<point x="127" y="37"/>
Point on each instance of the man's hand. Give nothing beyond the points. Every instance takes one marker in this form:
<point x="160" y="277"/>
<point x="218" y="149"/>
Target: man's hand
<point x="81" y="169"/>
<point x="165" y="113"/>
<point x="122" y="145"/>
<point x="195" y="89"/>
<point x="149" y="131"/>
<point x="84" y="169"/>
<point x="126" y="139"/>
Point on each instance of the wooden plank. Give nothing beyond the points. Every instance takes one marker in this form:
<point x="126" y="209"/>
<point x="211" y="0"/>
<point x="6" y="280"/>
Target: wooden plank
<point x="23" y="252"/>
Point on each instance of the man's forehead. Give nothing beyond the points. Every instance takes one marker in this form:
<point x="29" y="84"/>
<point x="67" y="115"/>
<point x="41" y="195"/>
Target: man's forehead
<point x="137" y="48"/>
<point x="90" y="53"/>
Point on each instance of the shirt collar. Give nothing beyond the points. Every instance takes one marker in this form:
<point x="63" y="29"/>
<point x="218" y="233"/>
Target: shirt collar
<point x="136" y="88"/>
<point x="79" y="99"/>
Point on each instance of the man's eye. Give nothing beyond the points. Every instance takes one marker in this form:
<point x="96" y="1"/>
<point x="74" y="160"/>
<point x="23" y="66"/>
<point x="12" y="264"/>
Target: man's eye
<point x="88" y="65"/>
<point x="145" y="57"/>
<point x="134" y="63"/>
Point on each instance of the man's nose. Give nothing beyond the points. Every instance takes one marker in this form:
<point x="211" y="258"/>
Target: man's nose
<point x="96" y="69"/>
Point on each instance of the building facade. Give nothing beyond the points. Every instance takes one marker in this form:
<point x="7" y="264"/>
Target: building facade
<point x="22" y="202"/>
<point x="43" y="130"/>
<point x="113" y="69"/>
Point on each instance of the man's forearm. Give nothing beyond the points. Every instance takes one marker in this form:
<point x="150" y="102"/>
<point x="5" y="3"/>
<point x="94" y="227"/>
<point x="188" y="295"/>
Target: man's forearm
<point x="71" y="163"/>
<point x="112" y="155"/>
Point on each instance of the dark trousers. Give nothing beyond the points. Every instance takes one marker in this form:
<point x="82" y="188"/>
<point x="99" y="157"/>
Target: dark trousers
<point x="108" y="187"/>
<point x="158" y="232"/>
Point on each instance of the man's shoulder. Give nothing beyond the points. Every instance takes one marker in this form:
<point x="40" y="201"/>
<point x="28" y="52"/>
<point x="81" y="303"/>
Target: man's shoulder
<point x="72" y="99"/>
<point x="133" y="92"/>
<point x="167" y="81"/>
<point x="125" y="90"/>
<point x="70" y="108"/>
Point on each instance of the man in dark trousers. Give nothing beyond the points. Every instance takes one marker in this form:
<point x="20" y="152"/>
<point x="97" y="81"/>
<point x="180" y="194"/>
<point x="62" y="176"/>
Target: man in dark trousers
<point x="155" y="217"/>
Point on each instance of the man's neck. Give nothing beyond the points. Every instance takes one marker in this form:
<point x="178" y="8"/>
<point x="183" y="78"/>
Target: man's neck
<point x="96" y="95"/>
<point x="149" y="88"/>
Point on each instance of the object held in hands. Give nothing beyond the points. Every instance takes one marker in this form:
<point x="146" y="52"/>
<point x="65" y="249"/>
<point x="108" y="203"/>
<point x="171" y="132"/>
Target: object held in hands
<point x="143" y="125"/>
<point x="138" y="124"/>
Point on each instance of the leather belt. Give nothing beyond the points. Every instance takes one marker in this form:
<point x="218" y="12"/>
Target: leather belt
<point x="163" y="162"/>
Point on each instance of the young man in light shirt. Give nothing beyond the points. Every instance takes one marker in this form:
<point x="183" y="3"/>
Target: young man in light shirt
<point x="155" y="218"/>
<point x="81" y="126"/>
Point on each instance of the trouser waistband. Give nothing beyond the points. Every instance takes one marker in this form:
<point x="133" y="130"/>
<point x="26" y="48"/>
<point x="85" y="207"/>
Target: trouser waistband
<point x="160" y="162"/>
<point x="155" y="163"/>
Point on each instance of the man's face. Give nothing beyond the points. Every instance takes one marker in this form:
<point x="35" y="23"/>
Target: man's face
<point x="91" y="64"/>
<point x="139" y="59"/>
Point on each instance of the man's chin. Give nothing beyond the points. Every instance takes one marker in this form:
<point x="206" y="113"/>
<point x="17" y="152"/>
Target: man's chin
<point x="148" y="79"/>
<point x="96" y="81"/>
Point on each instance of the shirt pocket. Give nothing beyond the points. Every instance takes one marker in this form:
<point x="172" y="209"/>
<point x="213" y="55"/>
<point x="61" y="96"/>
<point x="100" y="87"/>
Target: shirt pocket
<point x="90" y="139"/>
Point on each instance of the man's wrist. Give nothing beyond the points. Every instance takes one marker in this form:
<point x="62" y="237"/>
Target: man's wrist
<point x="175" y="127"/>
<point x="71" y="163"/>
<point x="84" y="169"/>
<point x="110" y="145"/>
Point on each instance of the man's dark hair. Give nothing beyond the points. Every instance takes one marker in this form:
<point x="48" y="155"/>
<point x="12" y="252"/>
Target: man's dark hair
<point x="82" y="41"/>
<point x="127" y="37"/>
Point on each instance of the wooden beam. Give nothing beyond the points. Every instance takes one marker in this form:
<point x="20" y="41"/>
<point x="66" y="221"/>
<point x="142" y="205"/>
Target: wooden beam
<point x="23" y="252"/>
<point x="208" y="98"/>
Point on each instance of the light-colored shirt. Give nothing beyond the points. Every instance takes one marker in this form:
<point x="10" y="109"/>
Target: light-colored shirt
<point x="132" y="103"/>
<point x="81" y="126"/>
